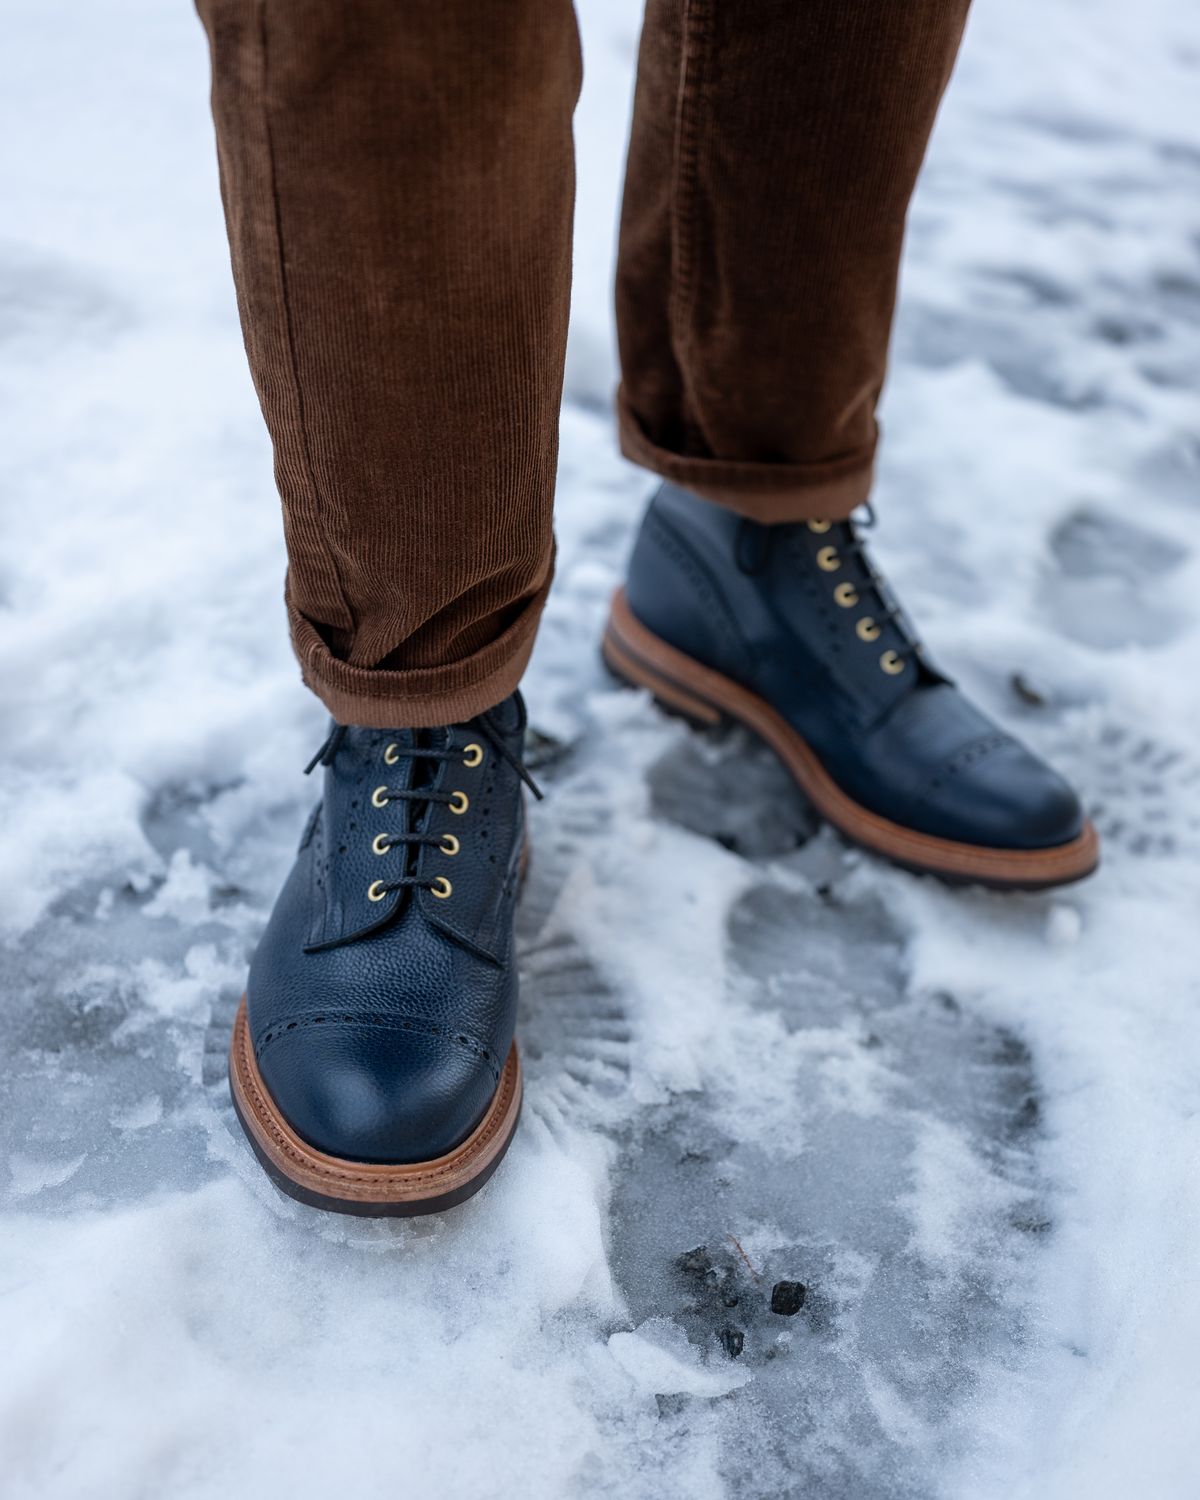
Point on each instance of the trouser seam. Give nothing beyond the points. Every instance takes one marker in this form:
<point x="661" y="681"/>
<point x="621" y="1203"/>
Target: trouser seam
<point x="290" y="334"/>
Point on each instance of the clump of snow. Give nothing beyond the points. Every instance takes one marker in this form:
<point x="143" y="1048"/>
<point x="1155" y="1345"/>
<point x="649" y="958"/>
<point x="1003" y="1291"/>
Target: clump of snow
<point x="26" y="1176"/>
<point x="660" y="1359"/>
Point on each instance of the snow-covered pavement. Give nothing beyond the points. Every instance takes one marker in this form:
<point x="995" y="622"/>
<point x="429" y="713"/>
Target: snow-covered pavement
<point x="967" y="1124"/>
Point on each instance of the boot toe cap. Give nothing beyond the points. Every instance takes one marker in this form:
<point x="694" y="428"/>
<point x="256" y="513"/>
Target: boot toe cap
<point x="388" y="1093"/>
<point x="1010" y="799"/>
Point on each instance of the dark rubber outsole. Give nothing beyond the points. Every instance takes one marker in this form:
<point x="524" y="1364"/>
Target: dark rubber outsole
<point x="639" y="657"/>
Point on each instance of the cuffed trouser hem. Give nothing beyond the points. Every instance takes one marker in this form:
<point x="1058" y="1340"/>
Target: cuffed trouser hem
<point x="422" y="697"/>
<point x="765" y="492"/>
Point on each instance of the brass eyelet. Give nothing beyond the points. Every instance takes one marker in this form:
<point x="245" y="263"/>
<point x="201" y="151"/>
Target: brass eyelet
<point x="867" y="630"/>
<point x="820" y="527"/>
<point x="846" y="595"/>
<point x="892" y="664"/>
<point x="449" y="844"/>
<point x="392" y="754"/>
<point x="440" y="888"/>
<point x="828" y="560"/>
<point x="379" y="797"/>
<point x="376" y="891"/>
<point x="459" y="802"/>
<point x="379" y="844"/>
<point x="473" y="755"/>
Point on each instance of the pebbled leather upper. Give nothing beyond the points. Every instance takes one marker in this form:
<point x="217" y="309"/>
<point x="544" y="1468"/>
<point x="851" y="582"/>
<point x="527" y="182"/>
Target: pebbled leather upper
<point x="752" y="602"/>
<point x="381" y="1027"/>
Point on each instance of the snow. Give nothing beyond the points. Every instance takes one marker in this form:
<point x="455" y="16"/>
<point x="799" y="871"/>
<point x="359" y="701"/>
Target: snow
<point x="968" y="1123"/>
<point x="660" y="1360"/>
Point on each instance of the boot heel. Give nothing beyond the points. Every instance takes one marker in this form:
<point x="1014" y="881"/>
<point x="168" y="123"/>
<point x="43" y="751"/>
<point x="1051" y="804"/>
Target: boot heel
<point x="632" y="670"/>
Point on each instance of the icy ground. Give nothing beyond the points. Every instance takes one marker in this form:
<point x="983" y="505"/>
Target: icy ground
<point x="968" y="1124"/>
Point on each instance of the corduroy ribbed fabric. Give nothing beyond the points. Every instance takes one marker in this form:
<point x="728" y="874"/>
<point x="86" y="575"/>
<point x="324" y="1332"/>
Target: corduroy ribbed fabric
<point x="775" y="148"/>
<point x="398" y="183"/>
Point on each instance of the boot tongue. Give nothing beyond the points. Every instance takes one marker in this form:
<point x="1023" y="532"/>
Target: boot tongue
<point x="345" y="865"/>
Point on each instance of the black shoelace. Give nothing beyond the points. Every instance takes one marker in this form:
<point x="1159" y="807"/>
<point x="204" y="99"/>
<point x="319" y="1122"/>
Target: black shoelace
<point x="485" y="724"/>
<point x="755" y="543"/>
<point x="890" y="609"/>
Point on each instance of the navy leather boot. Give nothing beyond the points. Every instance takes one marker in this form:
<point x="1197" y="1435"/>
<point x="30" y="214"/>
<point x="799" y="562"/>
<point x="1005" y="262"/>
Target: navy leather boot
<point x="373" y="1065"/>
<point x="790" y="630"/>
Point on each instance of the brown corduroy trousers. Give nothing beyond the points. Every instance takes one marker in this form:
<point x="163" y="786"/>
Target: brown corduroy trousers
<point x="398" y="182"/>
